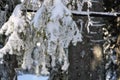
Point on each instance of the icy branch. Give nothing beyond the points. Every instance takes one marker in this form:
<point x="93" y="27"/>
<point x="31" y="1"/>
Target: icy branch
<point x="96" y="14"/>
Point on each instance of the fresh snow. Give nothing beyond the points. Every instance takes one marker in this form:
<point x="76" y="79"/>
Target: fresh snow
<point x="32" y="77"/>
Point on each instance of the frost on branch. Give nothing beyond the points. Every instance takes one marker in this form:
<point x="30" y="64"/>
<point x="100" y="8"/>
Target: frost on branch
<point x="16" y="29"/>
<point x="59" y="28"/>
<point x="15" y="25"/>
<point x="16" y="22"/>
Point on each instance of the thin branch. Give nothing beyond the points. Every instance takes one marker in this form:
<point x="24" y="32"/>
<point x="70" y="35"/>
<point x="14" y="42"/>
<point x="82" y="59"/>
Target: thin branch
<point x="96" y="14"/>
<point x="29" y="10"/>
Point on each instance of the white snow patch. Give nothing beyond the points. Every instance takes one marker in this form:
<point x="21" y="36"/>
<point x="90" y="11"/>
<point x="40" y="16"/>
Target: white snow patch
<point x="32" y="77"/>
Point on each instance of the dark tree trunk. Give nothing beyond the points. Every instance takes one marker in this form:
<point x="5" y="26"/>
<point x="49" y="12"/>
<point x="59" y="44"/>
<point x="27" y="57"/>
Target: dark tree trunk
<point x="84" y="64"/>
<point x="86" y="58"/>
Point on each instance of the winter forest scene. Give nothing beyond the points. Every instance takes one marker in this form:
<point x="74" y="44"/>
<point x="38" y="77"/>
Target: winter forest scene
<point x="59" y="39"/>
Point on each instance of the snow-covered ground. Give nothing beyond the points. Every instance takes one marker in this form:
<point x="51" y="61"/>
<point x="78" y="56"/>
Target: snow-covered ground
<point x="32" y="77"/>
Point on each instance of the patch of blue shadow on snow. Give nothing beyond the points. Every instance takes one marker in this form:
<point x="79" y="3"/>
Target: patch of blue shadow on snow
<point x="32" y="77"/>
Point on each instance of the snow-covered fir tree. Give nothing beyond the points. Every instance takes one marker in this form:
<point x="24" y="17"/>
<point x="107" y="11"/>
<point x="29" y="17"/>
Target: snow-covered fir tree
<point x="41" y="34"/>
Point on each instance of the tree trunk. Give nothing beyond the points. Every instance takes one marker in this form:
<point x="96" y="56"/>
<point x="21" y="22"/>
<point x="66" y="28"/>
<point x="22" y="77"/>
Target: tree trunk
<point x="86" y="58"/>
